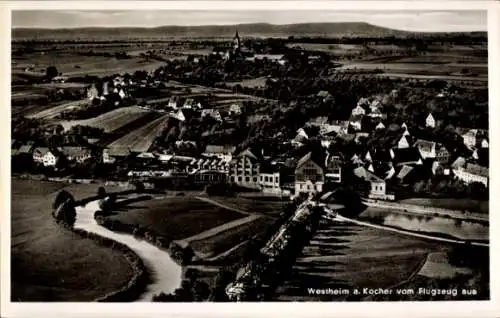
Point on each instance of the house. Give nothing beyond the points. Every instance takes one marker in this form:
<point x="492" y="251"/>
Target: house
<point x="471" y="137"/>
<point x="107" y="158"/>
<point x="406" y="156"/>
<point x="172" y="102"/>
<point x="377" y="186"/>
<point x="26" y="149"/>
<point x="92" y="92"/>
<point x="380" y="126"/>
<point x="76" y="154"/>
<point x="485" y="143"/>
<point x="214" y="113"/>
<point x="403" y="142"/>
<point x="179" y="115"/>
<point x="471" y="173"/>
<point x="206" y="177"/>
<point x="234" y="109"/>
<point x="375" y="106"/>
<point x="358" y="111"/>
<point x="188" y="103"/>
<point x="269" y="179"/>
<point x="310" y="173"/>
<point x="376" y="113"/>
<point x="340" y="127"/>
<point x="45" y="156"/>
<point x="122" y="93"/>
<point x="318" y="121"/>
<point x="355" y="123"/>
<point x="442" y="154"/>
<point x="245" y="168"/>
<point x="430" y="121"/>
<point x="333" y="171"/>
<point x="426" y="148"/>
<point x="301" y="136"/>
<point x="224" y="152"/>
<point x="105" y="89"/>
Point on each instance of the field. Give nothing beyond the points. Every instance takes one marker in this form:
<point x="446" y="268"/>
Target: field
<point x="109" y="121"/>
<point x="252" y="83"/>
<point x="452" y="204"/>
<point x="50" y="263"/>
<point x="265" y="207"/>
<point x="72" y="64"/>
<point x="56" y="110"/>
<point x="176" y="217"/>
<point x="140" y="139"/>
<point x="350" y="256"/>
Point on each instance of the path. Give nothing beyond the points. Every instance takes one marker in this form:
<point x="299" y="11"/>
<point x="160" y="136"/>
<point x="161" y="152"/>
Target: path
<point x="222" y="205"/>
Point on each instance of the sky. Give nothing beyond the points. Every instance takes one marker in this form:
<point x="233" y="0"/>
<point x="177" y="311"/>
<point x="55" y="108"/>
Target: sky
<point x="425" y="21"/>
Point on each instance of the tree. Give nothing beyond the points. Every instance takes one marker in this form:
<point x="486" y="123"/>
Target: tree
<point x="51" y="72"/>
<point x="62" y="197"/>
<point x="101" y="192"/>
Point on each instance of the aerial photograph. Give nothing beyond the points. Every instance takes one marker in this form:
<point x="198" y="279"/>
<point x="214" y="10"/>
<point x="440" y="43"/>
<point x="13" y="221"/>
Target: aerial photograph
<point x="246" y="155"/>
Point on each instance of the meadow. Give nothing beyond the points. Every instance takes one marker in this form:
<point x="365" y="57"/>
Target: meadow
<point x="350" y="256"/>
<point x="51" y="263"/>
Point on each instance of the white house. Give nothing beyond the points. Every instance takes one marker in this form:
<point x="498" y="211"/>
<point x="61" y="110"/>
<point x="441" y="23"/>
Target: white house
<point x="484" y="143"/>
<point x="356" y="124"/>
<point x="427" y="148"/>
<point x="471" y="173"/>
<point x="172" y="102"/>
<point x="44" y="156"/>
<point x="92" y="92"/>
<point x="378" y="189"/>
<point x="105" y="89"/>
<point x="107" y="158"/>
<point x="403" y="143"/>
<point x="309" y="174"/>
<point x="430" y="121"/>
<point x="235" y="109"/>
<point x="376" y="113"/>
<point x="76" y="154"/>
<point x="380" y="126"/>
<point x="179" y="115"/>
<point x="188" y="104"/>
<point x="269" y="181"/>
<point x="214" y="113"/>
<point x="122" y="93"/>
<point x="224" y="152"/>
<point x="358" y="111"/>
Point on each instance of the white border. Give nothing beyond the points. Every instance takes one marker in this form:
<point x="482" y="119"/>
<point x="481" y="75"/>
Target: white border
<point x="340" y="309"/>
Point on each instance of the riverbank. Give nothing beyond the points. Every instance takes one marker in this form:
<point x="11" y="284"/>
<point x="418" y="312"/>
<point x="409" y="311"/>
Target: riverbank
<point x="428" y="210"/>
<point x="50" y="262"/>
<point x="165" y="274"/>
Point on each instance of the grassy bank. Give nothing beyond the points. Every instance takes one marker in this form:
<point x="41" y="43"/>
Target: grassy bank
<point x="52" y="263"/>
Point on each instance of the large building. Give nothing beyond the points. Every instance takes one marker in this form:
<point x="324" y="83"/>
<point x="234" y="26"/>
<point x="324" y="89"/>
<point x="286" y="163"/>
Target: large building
<point x="310" y="174"/>
<point x="245" y="168"/>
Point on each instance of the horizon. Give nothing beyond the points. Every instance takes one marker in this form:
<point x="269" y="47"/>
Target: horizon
<point x="410" y="21"/>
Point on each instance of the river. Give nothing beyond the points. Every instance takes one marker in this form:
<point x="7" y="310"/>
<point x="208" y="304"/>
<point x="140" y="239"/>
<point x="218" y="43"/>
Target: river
<point x="460" y="229"/>
<point x="165" y="273"/>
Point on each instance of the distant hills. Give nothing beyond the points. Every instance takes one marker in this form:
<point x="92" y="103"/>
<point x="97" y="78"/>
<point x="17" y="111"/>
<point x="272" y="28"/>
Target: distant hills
<point x="210" y="31"/>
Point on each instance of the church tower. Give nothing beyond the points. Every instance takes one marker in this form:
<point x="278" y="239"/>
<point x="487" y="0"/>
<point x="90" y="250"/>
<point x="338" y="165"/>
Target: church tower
<point x="236" y="42"/>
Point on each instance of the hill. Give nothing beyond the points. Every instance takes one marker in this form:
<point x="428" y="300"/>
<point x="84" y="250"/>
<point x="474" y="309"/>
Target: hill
<point x="208" y="31"/>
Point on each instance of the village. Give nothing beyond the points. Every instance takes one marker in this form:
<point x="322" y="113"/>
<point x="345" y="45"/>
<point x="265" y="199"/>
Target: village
<point x="245" y="168"/>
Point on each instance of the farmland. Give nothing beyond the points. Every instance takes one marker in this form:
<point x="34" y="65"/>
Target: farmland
<point x="56" y="110"/>
<point x="110" y="121"/>
<point x="50" y="263"/>
<point x="74" y="64"/>
<point x="142" y="138"/>
<point x="349" y="256"/>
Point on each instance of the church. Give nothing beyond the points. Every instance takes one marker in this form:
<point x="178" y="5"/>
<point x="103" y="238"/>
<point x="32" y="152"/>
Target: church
<point x="238" y="51"/>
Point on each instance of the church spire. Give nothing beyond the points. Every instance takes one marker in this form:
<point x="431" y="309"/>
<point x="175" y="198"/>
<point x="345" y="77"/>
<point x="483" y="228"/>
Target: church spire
<point x="236" y="41"/>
